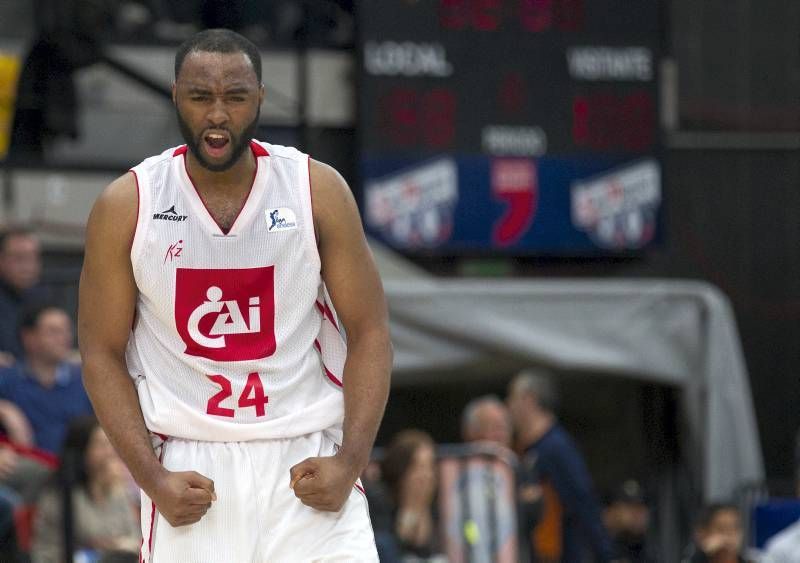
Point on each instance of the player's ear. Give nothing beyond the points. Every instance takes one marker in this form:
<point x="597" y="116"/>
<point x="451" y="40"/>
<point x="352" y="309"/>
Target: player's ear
<point x="261" y="94"/>
<point x="174" y="98"/>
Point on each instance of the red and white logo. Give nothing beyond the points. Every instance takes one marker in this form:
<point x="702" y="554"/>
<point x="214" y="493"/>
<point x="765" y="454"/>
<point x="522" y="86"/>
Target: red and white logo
<point x="226" y="315"/>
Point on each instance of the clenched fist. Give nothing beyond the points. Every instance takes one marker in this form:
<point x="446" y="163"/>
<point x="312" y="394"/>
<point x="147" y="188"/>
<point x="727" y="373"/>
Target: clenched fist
<point x="183" y="497"/>
<point x="323" y="483"/>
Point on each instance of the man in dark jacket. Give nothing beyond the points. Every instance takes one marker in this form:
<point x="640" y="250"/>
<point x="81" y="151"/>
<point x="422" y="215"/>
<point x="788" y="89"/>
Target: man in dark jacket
<point x="571" y="521"/>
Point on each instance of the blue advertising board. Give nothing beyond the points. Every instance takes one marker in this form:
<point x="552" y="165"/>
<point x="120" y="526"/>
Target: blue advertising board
<point x="549" y="205"/>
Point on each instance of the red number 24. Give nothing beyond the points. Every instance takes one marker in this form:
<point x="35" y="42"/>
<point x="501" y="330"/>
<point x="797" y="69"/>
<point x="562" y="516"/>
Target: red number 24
<point x="252" y="396"/>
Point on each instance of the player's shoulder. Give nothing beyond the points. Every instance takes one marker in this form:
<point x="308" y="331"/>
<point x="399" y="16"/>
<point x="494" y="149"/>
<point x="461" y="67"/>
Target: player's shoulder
<point x="328" y="187"/>
<point x="262" y="148"/>
<point x="161" y="158"/>
<point x="118" y="201"/>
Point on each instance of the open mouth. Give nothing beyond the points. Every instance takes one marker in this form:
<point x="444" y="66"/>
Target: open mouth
<point x="216" y="143"/>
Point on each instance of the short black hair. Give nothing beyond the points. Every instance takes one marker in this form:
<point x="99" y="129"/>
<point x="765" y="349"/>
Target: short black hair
<point x="31" y="313"/>
<point x="710" y="511"/>
<point x="219" y="41"/>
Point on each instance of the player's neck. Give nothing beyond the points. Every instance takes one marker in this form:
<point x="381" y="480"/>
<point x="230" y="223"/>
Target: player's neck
<point x="237" y="177"/>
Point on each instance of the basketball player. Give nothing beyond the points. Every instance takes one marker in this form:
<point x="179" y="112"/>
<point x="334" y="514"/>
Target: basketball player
<point x="211" y="351"/>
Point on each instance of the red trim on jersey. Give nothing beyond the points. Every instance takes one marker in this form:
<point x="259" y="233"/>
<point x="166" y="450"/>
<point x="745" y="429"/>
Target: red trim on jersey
<point x="327" y="313"/>
<point x="249" y="193"/>
<point x="330" y="316"/>
<point x="138" y="209"/>
<point x="332" y="377"/>
<point x="258" y="150"/>
<point x="152" y="513"/>
<point x="360" y="488"/>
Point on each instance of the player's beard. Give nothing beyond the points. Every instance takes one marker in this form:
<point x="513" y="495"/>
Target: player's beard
<point x="239" y="142"/>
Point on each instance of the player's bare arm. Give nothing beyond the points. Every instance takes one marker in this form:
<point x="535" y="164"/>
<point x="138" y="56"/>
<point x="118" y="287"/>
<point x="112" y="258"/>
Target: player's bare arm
<point x="107" y="301"/>
<point x="351" y="277"/>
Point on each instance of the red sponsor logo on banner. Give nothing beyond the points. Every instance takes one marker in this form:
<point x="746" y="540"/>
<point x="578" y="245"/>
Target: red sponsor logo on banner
<point x="515" y="182"/>
<point x="226" y="315"/>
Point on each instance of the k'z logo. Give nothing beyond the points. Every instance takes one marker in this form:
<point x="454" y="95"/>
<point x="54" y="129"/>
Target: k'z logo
<point x="226" y="315"/>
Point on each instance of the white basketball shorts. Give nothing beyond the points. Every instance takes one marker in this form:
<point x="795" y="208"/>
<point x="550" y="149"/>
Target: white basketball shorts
<point x="256" y="517"/>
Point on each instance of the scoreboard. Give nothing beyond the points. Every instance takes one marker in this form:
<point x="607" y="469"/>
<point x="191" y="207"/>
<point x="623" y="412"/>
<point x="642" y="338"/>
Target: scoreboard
<point x="519" y="126"/>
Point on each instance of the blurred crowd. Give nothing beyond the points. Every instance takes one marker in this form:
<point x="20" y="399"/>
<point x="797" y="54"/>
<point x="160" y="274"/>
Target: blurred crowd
<point x="516" y="489"/>
<point x="54" y="457"/>
<point x="559" y="515"/>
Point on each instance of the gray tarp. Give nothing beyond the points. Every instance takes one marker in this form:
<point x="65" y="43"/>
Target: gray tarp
<point x="680" y="333"/>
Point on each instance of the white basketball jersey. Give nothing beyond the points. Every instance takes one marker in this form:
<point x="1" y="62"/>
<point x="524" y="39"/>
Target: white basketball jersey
<point x="234" y="338"/>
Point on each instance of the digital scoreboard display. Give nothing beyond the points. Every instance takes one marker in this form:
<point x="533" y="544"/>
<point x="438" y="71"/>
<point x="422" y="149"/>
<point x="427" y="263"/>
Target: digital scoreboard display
<point x="520" y="126"/>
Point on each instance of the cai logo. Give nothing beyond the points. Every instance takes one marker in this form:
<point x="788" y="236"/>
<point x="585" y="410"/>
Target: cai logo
<point x="226" y="314"/>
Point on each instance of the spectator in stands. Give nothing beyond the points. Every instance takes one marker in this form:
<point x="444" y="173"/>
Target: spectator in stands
<point x="486" y="419"/>
<point x="405" y="522"/>
<point x="103" y="517"/>
<point x="571" y="519"/>
<point x="44" y="385"/>
<point x="718" y="535"/>
<point x="23" y="471"/>
<point x="486" y="422"/>
<point x="784" y="547"/>
<point x="627" y="518"/>
<point x="20" y="269"/>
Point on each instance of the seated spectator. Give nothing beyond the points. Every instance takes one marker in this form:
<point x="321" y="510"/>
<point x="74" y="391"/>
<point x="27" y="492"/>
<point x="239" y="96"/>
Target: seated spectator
<point x="486" y="419"/>
<point x="20" y="269"/>
<point x="103" y="517"/>
<point x="23" y="471"/>
<point x="44" y="385"/>
<point x="405" y="523"/>
<point x="718" y="535"/>
<point x="627" y="518"/>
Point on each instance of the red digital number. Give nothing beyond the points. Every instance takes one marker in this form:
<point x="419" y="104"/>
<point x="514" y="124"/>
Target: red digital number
<point x="252" y="396"/>
<point x="438" y="117"/>
<point x="639" y="125"/>
<point x="413" y="118"/>
<point x="580" y="120"/>
<point x="606" y="121"/>
<point x="487" y="14"/>
<point x="401" y="112"/>
<point x="542" y="15"/>
<point x="483" y="15"/>
<point x="568" y="15"/>
<point x="536" y="15"/>
<point x="453" y="14"/>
